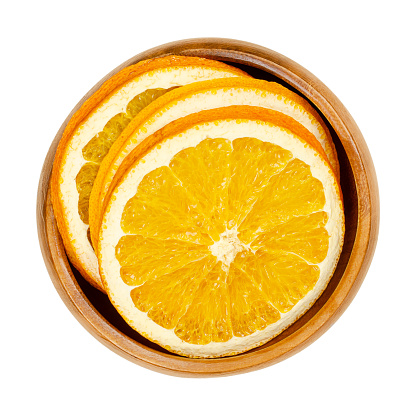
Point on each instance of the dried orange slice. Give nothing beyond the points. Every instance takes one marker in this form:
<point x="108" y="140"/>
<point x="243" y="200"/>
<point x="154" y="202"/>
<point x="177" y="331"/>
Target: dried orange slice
<point x="94" y="128"/>
<point x="192" y="99"/>
<point x="222" y="232"/>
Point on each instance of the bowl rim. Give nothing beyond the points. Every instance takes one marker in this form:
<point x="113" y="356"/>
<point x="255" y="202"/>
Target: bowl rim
<point x="240" y="52"/>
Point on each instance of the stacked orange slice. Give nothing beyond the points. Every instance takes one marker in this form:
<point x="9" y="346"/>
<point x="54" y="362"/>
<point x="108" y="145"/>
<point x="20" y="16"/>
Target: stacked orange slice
<point x="216" y="214"/>
<point x="93" y="130"/>
<point x="192" y="99"/>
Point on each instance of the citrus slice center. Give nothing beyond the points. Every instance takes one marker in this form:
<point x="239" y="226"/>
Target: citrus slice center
<point x="227" y="247"/>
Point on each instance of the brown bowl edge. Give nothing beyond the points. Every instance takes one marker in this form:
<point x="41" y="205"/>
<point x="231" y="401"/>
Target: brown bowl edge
<point x="326" y="313"/>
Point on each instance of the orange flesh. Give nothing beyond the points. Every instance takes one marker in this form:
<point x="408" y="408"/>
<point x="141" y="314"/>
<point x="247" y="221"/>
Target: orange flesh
<point x="96" y="149"/>
<point x="263" y="206"/>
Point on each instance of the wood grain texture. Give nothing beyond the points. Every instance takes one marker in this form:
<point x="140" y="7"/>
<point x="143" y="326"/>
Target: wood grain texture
<point x="359" y="185"/>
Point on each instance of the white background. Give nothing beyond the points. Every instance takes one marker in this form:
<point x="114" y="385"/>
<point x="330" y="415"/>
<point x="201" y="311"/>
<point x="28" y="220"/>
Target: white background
<point x="54" y="52"/>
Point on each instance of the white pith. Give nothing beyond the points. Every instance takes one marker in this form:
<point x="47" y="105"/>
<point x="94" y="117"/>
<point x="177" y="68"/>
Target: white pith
<point x="94" y="123"/>
<point x="111" y="232"/>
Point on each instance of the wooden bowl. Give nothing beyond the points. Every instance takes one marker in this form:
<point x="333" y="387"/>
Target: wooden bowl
<point x="359" y="185"/>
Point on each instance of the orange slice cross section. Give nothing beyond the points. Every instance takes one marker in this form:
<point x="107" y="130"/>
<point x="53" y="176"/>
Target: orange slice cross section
<point x="224" y="228"/>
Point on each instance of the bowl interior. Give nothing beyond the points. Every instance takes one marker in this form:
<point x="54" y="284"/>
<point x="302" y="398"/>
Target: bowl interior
<point x="109" y="313"/>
